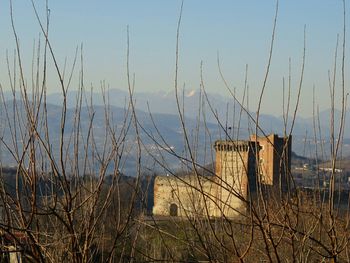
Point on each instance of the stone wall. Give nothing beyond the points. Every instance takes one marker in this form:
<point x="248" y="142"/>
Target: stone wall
<point x="186" y="196"/>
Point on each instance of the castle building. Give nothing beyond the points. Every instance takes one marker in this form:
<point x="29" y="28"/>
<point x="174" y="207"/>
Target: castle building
<point x="239" y="167"/>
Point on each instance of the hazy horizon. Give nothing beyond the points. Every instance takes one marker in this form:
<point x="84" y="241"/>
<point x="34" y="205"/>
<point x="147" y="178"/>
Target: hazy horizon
<point x="240" y="32"/>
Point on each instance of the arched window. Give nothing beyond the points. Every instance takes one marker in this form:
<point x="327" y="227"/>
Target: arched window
<point x="173" y="210"/>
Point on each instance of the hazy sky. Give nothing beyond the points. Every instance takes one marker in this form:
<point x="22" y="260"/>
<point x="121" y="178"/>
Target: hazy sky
<point x="239" y="31"/>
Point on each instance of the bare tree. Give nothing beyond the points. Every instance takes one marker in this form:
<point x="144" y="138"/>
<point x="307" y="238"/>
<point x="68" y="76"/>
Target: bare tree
<point x="67" y="199"/>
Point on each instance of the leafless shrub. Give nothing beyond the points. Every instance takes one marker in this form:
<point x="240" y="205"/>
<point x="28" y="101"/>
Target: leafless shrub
<point x="69" y="200"/>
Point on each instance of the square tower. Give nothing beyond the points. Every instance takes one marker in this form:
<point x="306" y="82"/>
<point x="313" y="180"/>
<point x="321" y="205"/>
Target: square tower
<point x="274" y="159"/>
<point x="236" y="175"/>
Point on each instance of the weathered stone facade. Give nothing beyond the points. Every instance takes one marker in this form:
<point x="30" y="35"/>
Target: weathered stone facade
<point x="274" y="159"/>
<point x="184" y="196"/>
<point x="235" y="175"/>
<point x="226" y="192"/>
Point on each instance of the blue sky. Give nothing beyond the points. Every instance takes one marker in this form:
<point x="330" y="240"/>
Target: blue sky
<point x="240" y="31"/>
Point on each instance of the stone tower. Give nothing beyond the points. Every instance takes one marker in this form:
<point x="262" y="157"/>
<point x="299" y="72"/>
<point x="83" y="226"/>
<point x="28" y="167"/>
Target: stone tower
<point x="274" y="159"/>
<point x="235" y="171"/>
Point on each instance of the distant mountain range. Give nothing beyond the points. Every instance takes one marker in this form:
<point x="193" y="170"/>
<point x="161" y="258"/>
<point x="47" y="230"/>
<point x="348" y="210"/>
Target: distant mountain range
<point x="225" y="108"/>
<point x="202" y="125"/>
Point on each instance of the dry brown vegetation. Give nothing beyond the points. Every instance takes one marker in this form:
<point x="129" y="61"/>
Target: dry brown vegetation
<point x="70" y="207"/>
